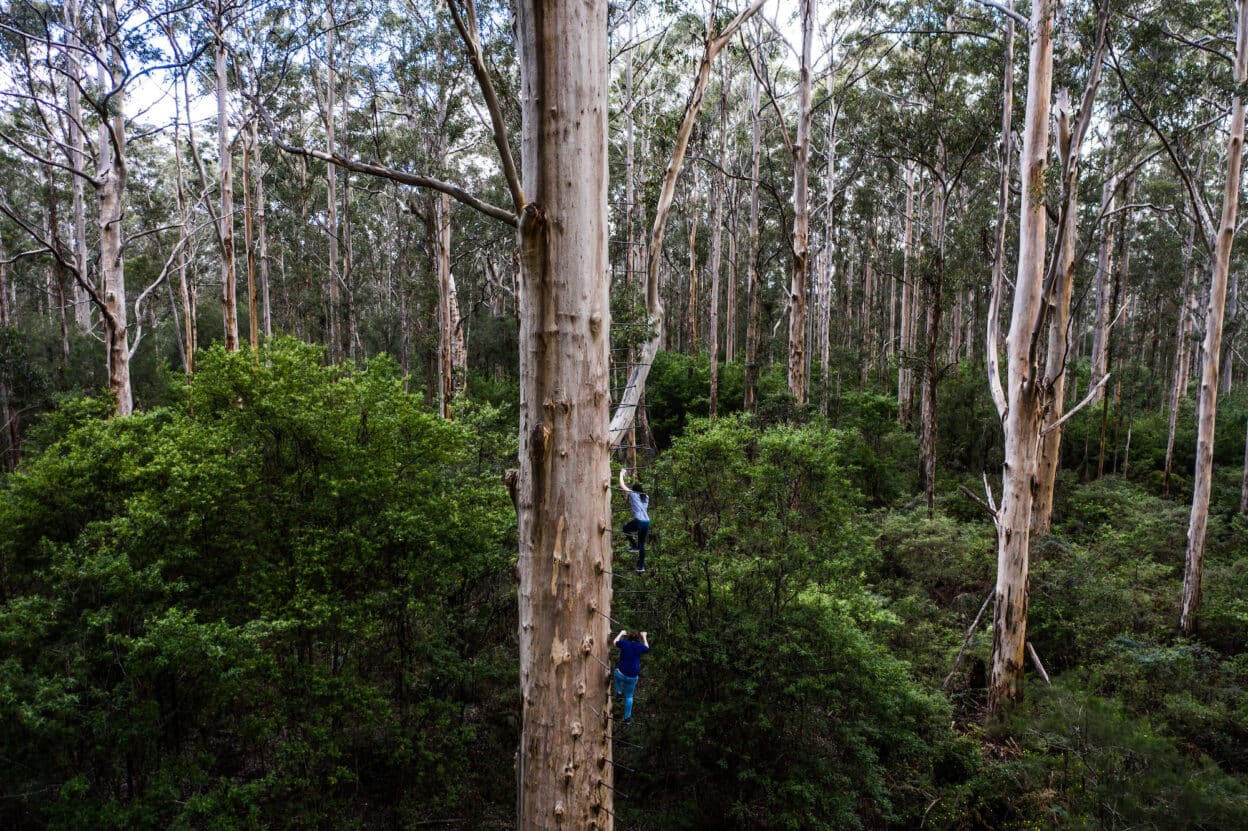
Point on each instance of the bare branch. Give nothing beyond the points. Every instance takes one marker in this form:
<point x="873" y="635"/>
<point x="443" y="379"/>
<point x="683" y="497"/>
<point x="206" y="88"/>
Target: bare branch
<point x="1035" y="660"/>
<point x="388" y="173"/>
<point x="469" y="32"/>
<point x="1204" y="224"/>
<point x="1010" y="13"/>
<point x="1085" y="402"/>
<point x="966" y="641"/>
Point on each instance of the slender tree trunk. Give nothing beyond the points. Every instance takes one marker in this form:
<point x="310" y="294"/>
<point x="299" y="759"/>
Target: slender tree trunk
<point x="1072" y="127"/>
<point x="12" y="427"/>
<point x="331" y="197"/>
<point x="904" y="373"/>
<point x="1022" y="415"/>
<point x="692" y="316"/>
<point x="752" y="275"/>
<point x="228" y="289"/>
<point x="56" y="272"/>
<point x="354" y="348"/>
<point x="77" y="157"/>
<point x="1243" y="488"/>
<point x="801" y="213"/>
<point x="829" y="246"/>
<point x="868" y="302"/>
<point x="717" y="232"/>
<point x="262" y="234"/>
<point x="1208" y="405"/>
<point x="253" y="322"/>
<point x="1104" y="289"/>
<point x="188" y="331"/>
<point x="730" y="294"/>
<point x="1228" y="348"/>
<point x="564" y="771"/>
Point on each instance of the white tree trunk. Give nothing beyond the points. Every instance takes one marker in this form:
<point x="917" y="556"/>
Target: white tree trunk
<point x="564" y="768"/>
<point x="77" y="157"/>
<point x="801" y="213"/>
<point x="752" y="276"/>
<point x="1104" y="288"/>
<point x="1022" y="415"/>
<point x="1212" y="347"/>
<point x="229" y="298"/>
<point x="906" y="346"/>
<point x="262" y="234"/>
<point x="331" y="198"/>
<point x="717" y="232"/>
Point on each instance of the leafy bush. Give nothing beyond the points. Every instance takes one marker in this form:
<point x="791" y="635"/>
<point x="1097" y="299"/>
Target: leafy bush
<point x="780" y="710"/>
<point x="236" y="612"/>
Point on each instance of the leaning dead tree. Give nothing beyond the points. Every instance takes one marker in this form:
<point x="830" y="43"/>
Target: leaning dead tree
<point x="636" y="385"/>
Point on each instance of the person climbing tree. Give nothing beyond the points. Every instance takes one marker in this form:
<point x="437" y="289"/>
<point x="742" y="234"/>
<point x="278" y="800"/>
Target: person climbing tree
<point x="632" y="646"/>
<point x="638" y="528"/>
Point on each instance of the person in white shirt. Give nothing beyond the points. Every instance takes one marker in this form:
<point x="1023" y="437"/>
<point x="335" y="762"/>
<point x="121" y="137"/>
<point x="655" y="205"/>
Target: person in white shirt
<point x="638" y="528"/>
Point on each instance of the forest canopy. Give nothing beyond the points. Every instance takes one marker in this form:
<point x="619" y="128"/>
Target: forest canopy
<point x="343" y="347"/>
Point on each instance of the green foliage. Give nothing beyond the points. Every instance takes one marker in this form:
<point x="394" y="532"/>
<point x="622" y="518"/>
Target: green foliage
<point x="235" y="612"/>
<point x="779" y="709"/>
<point x="1088" y="763"/>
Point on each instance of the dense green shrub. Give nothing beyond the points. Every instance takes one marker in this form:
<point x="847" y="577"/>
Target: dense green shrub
<point x="779" y="708"/>
<point x="235" y="612"/>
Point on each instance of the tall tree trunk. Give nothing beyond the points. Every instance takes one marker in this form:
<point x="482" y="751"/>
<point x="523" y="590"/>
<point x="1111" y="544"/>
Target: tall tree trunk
<point x="906" y="356"/>
<point x="354" y="347"/>
<point x="1178" y="388"/>
<point x="262" y="234"/>
<point x="77" y="157"/>
<point x="331" y="196"/>
<point x="1070" y="148"/>
<point x="564" y="769"/>
<point x="12" y="428"/>
<point x="188" y="328"/>
<point x="829" y="245"/>
<point x="1021" y="418"/>
<point x="1243" y="488"/>
<point x="801" y="213"/>
<point x="1212" y="348"/>
<point x="730" y="293"/>
<point x="1104" y="289"/>
<point x="752" y="275"/>
<point x="1228" y="348"/>
<point x="692" y="316"/>
<point x="253" y="322"/>
<point x="717" y="232"/>
<point x="868" y="303"/>
<point x="110" y="192"/>
<point x="228" y="289"/>
<point x="933" y="289"/>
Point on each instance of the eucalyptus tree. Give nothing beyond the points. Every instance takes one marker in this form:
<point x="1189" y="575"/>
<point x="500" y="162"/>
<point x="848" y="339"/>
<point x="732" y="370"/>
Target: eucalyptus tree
<point x="1020" y="404"/>
<point x="1205" y="60"/>
<point x="114" y="44"/>
<point x="933" y="113"/>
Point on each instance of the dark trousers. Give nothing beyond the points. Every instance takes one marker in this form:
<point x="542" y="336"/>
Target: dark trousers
<point x="636" y="531"/>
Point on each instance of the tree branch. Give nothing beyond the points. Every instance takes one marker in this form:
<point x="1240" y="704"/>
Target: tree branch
<point x="1010" y="13"/>
<point x="469" y="32"/>
<point x="388" y="173"/>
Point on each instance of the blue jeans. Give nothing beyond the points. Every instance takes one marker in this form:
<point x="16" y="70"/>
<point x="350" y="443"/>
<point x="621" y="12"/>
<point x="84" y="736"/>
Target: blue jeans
<point x="625" y="686"/>
<point x="641" y="529"/>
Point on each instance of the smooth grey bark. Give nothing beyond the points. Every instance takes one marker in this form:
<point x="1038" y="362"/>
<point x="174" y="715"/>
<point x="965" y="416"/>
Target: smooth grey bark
<point x="1021" y="419"/>
<point x="1212" y="346"/>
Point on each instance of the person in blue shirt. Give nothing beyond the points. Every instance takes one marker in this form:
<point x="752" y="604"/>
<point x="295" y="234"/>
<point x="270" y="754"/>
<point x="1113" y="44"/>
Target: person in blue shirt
<point x="632" y="646"/>
<point x="638" y="528"/>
